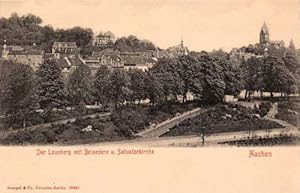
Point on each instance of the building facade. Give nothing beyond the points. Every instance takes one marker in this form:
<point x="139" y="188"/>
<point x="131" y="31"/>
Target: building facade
<point x="33" y="58"/>
<point x="64" y="47"/>
<point x="126" y="60"/>
<point x="264" y="38"/>
<point x="173" y="52"/>
<point x="19" y="54"/>
<point x="104" y="39"/>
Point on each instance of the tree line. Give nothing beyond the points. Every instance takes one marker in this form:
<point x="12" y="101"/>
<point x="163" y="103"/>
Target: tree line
<point x="23" y="91"/>
<point x="28" y="30"/>
<point x="208" y="76"/>
<point x="277" y="72"/>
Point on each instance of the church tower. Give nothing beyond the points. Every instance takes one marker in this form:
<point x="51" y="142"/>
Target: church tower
<point x="264" y="37"/>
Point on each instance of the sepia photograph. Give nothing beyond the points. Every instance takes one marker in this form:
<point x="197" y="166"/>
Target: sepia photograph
<point x="184" y="73"/>
<point x="149" y="96"/>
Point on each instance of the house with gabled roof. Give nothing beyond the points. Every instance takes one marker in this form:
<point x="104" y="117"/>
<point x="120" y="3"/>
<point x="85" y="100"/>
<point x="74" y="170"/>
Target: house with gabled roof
<point x="64" y="47"/>
<point x="137" y="61"/>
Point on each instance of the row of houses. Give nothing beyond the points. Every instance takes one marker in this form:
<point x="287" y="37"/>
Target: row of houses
<point x="67" y="57"/>
<point x="115" y="59"/>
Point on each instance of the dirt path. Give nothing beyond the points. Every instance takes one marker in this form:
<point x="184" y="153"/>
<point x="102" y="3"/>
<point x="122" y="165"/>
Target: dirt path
<point x="194" y="140"/>
<point x="164" y="126"/>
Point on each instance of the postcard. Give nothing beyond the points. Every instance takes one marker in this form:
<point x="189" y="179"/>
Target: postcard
<point x="149" y="96"/>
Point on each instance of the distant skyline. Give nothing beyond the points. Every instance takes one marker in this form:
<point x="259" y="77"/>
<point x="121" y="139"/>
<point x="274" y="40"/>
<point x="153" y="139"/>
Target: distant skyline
<point x="202" y="24"/>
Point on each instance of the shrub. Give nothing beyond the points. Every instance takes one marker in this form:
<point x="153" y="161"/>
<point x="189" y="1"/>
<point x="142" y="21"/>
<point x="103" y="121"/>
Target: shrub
<point x="132" y="119"/>
<point x="81" y="108"/>
<point x="97" y="124"/>
<point x="82" y="122"/>
<point x="123" y="132"/>
<point x="285" y="105"/>
<point x="264" y="108"/>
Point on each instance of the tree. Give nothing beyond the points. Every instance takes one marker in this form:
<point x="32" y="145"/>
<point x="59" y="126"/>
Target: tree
<point x="24" y="30"/>
<point x="153" y="88"/>
<point x="4" y="75"/>
<point x="19" y="94"/>
<point x="291" y="62"/>
<point x="133" y="44"/>
<point x="168" y="71"/>
<point x="28" y="30"/>
<point x="221" y="54"/>
<point x="101" y="85"/>
<point x="276" y="76"/>
<point x="49" y="37"/>
<point x="137" y="85"/>
<point x="81" y="36"/>
<point x="79" y="86"/>
<point x="252" y="78"/>
<point x="232" y="77"/>
<point x="31" y="19"/>
<point x="213" y="79"/>
<point x="190" y="73"/>
<point x="119" y="84"/>
<point x="51" y="87"/>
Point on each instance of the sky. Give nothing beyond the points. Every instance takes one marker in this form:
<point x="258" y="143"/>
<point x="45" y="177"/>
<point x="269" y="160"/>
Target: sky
<point x="201" y="24"/>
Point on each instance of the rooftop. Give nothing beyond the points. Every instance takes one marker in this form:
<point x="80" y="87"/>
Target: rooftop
<point x="27" y="52"/>
<point x="65" y="44"/>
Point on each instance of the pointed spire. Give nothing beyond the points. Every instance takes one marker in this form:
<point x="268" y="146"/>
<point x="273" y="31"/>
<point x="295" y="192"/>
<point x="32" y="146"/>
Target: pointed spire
<point x="264" y="28"/>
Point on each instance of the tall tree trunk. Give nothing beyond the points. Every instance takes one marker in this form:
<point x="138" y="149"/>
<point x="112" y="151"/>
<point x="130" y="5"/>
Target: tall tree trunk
<point x="24" y="122"/>
<point x="116" y="106"/>
<point x="203" y="136"/>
